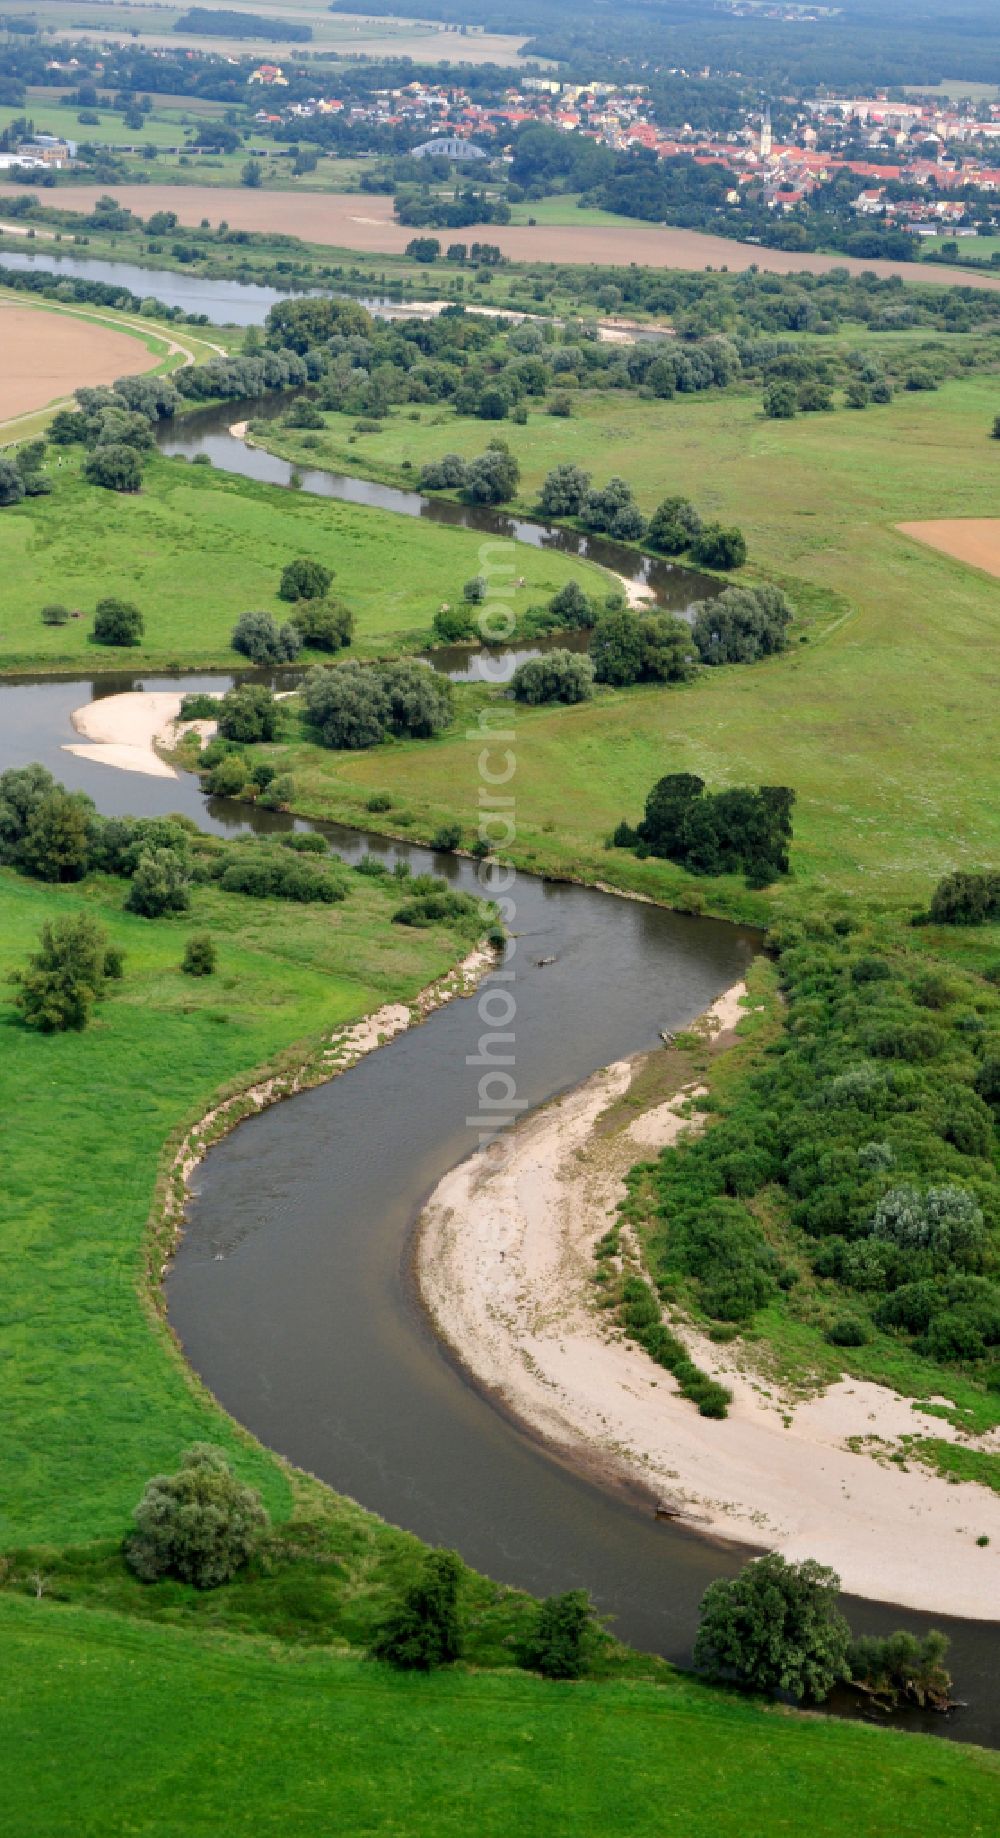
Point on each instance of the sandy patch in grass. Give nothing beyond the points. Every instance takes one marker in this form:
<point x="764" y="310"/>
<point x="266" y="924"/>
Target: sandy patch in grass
<point x="45" y="356"/>
<point x="505" y="1265"/>
<point x="975" y="540"/>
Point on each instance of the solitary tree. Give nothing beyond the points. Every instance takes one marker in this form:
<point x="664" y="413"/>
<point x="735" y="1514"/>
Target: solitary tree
<point x="201" y="1524"/>
<point x="424" y="1631"/>
<point x="117" y="622"/>
<point x="304" y="579"/>
<point x="65" y="976"/>
<point x="775" y="1627"/>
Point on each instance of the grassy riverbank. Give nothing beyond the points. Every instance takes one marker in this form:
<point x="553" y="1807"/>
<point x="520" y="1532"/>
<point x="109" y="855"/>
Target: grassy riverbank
<point x="195" y="548"/>
<point x="95" y="1398"/>
<point x="153" y="1729"/>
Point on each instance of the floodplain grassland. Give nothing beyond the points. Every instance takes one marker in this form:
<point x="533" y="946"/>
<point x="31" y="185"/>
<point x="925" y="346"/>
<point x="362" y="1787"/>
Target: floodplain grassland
<point x="870" y="720"/>
<point x="95" y="1400"/>
<point x="155" y="1728"/>
<point x="195" y="548"/>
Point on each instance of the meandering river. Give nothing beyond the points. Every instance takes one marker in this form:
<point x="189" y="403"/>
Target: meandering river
<point x="291" y="1290"/>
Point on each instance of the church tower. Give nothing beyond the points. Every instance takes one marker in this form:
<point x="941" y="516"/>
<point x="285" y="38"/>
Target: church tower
<point x="765" y="135"/>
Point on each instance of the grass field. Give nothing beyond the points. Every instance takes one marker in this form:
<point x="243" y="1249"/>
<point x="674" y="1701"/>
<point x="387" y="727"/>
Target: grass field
<point x="196" y="548"/>
<point x="112" y="1728"/>
<point x="872" y="721"/>
<point x="94" y="1401"/>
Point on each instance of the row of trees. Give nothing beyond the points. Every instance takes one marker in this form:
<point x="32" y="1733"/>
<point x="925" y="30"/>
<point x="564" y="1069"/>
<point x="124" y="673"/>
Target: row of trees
<point x="738" y="626"/>
<point x="775" y="1628"/>
<point x="675" y="527"/>
<point x="491" y="478"/>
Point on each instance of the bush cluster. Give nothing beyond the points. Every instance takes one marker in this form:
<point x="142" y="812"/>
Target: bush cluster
<point x="740" y="831"/>
<point x="353" y="706"/>
<point x="883" y="1162"/>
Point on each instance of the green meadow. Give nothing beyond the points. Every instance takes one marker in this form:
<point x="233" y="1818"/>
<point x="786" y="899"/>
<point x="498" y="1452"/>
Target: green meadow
<point x="95" y="1398"/>
<point x="872" y="716"/>
<point x="114" y="1728"/>
<point x="195" y="548"/>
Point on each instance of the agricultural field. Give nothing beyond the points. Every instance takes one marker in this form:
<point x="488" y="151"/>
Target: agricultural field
<point x="44" y="356"/>
<point x="895" y="659"/>
<point x="366" y="224"/>
<point x="81" y="543"/>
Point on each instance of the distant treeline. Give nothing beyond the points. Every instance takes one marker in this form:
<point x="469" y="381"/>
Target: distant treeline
<point x="219" y="22"/>
<point x="888" y="42"/>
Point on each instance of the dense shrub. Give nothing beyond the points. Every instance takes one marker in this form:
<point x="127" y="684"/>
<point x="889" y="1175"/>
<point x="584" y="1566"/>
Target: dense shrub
<point x="116" y="467"/>
<point x="54" y="613"/>
<point x="628" y="647"/>
<point x="558" y="1644"/>
<point x="352" y="706"/>
<point x="966" y="899"/>
<point x="571" y="609"/>
<point x="887" y="1165"/>
<point x="64" y="977"/>
<point x="199" y="955"/>
<point x="275" y="877"/>
<point x="718" y="547"/>
<point x="249" y="713"/>
<point x="674" y="526"/>
<point x="454" y="624"/>
<point x="557" y="676"/>
<point x="723" y="832"/>
<point x="256" y="636"/>
<point x="59" y="836"/>
<point x="117" y="622"/>
<point x="424" y="1631"/>
<point x="159" y="885"/>
<point x="325" y="625"/>
<point x="200" y="1524"/>
<point x="613" y="509"/>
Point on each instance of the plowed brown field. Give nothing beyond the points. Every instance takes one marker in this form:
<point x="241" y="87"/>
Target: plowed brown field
<point x="357" y="220"/>
<point x="975" y="540"/>
<point x="46" y="355"/>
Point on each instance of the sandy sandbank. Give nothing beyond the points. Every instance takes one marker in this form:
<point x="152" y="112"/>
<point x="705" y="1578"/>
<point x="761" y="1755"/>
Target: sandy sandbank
<point x="124" y="731"/>
<point x="504" y="1260"/>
